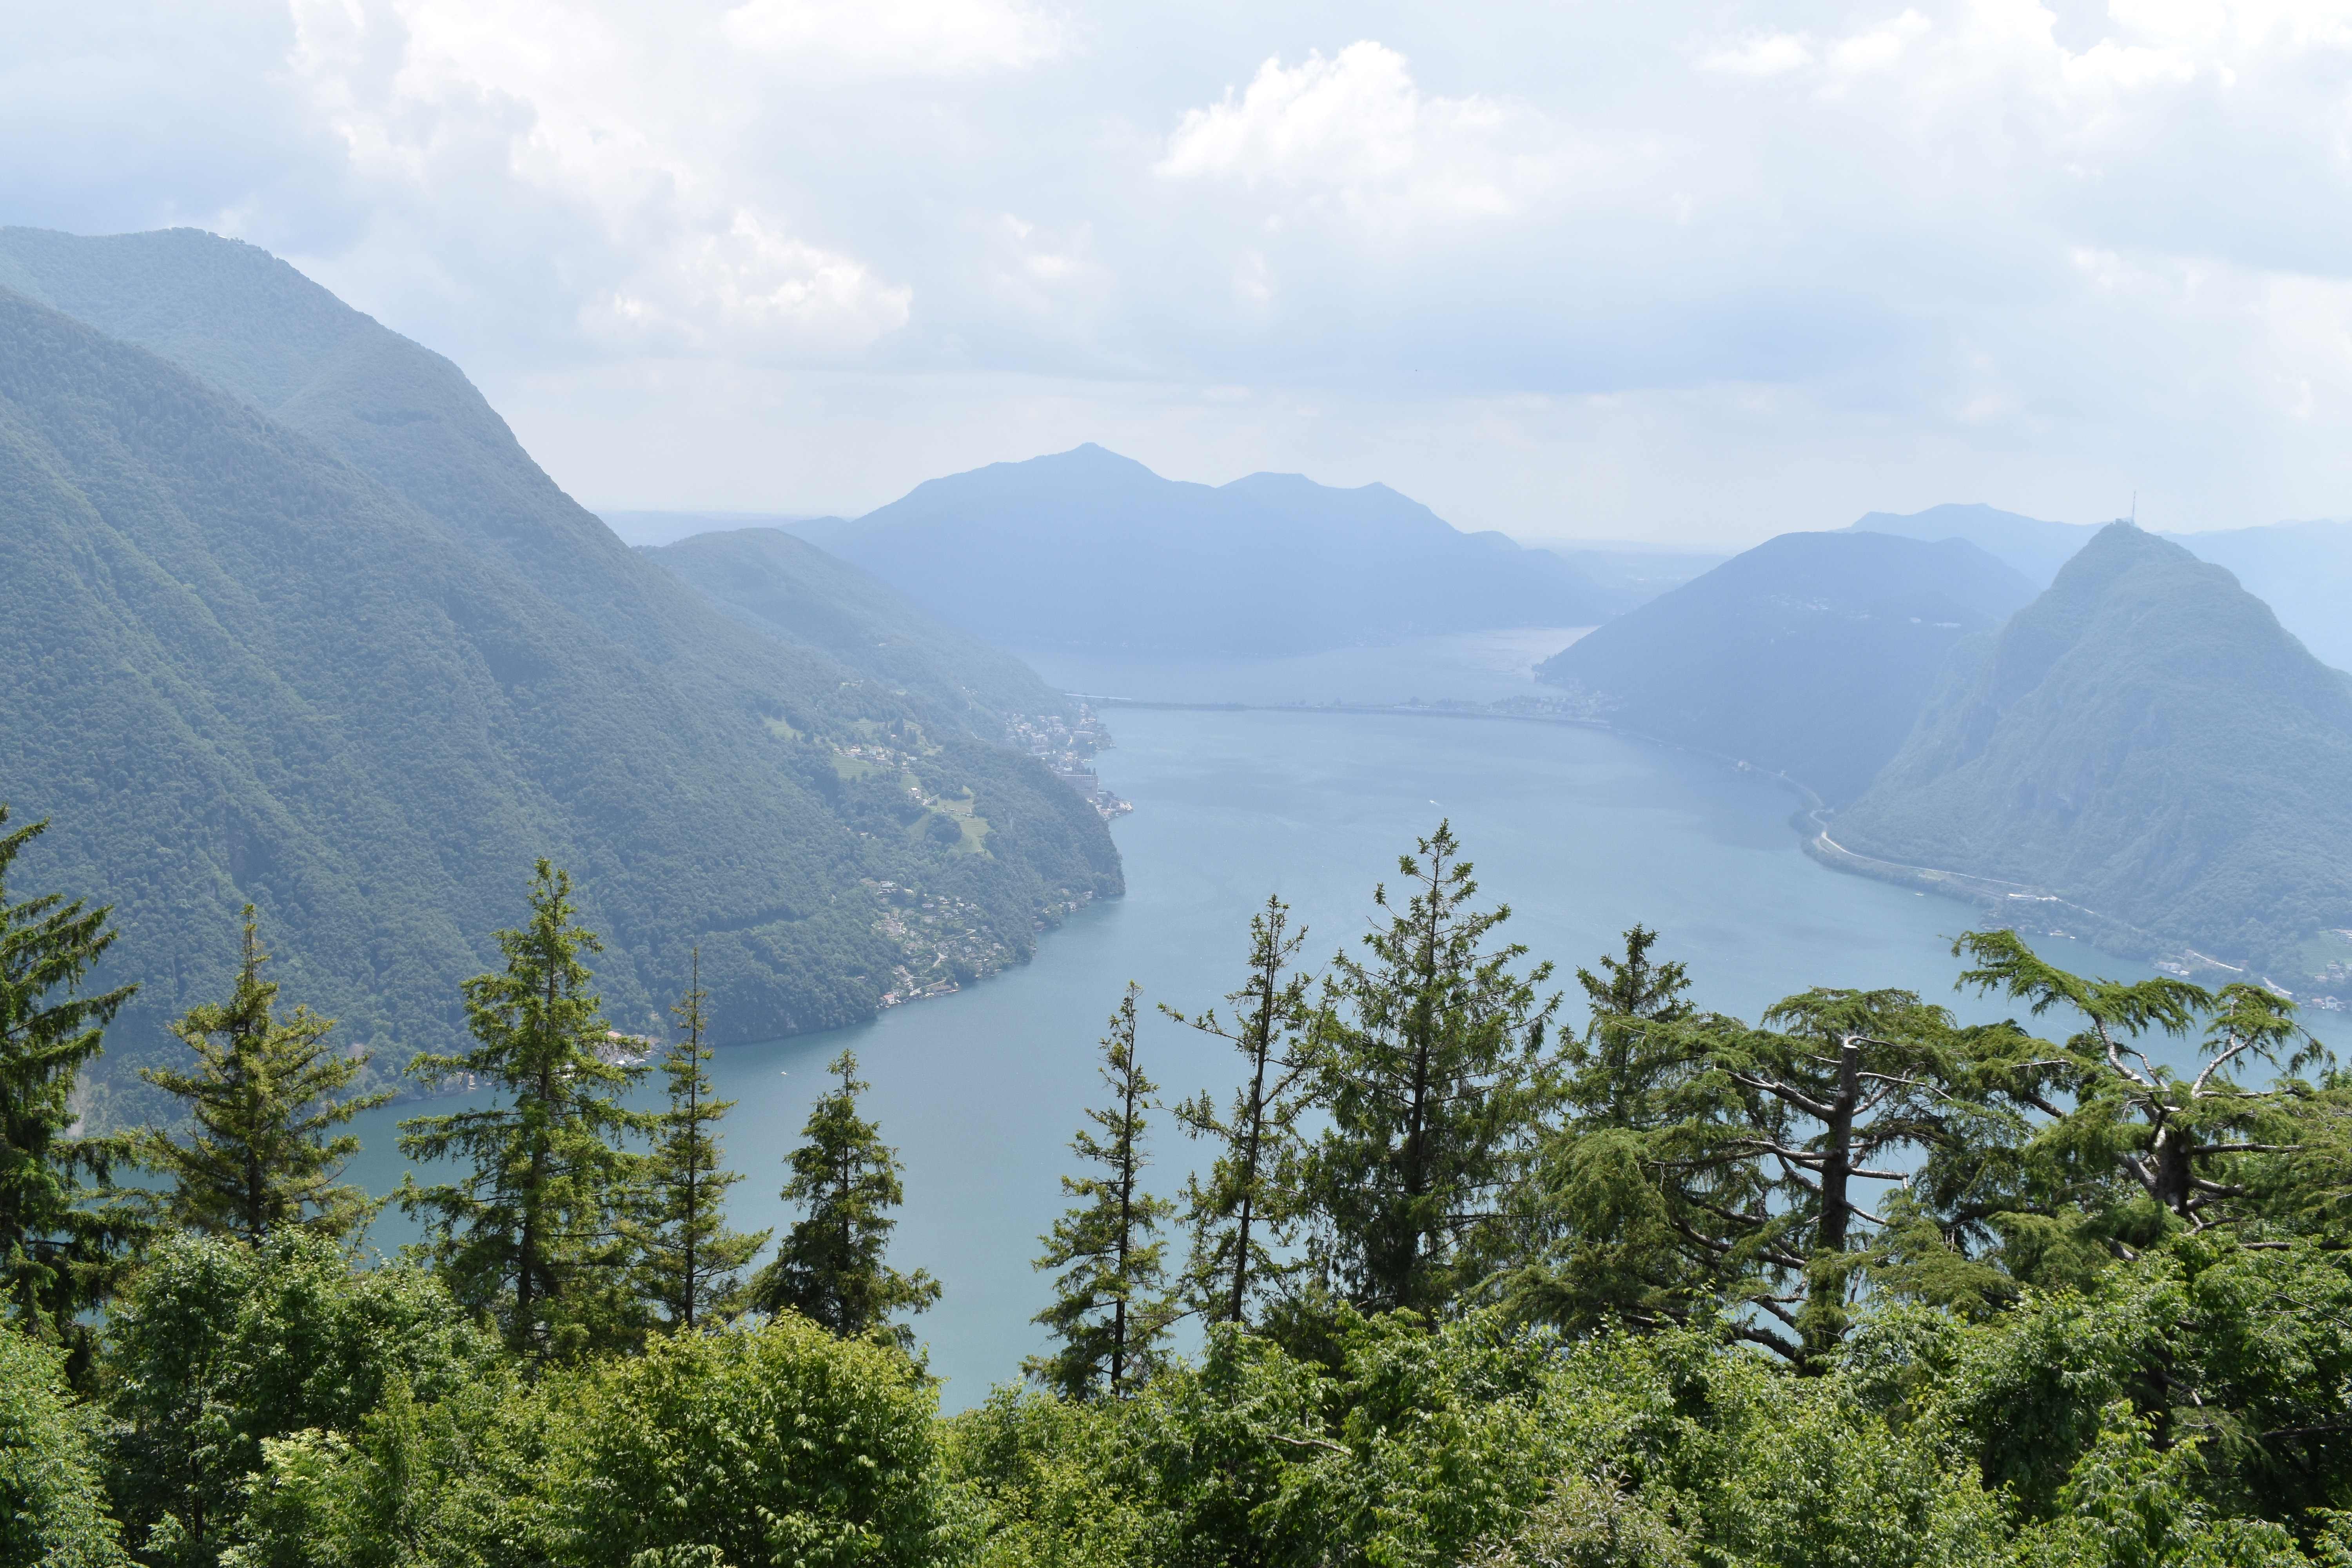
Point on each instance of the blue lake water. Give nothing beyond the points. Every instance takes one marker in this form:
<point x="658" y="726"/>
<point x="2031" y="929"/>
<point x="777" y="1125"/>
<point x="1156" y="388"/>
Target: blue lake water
<point x="1582" y="833"/>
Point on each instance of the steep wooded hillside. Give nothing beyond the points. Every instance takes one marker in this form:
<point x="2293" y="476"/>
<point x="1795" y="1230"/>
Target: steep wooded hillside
<point x="242" y="665"/>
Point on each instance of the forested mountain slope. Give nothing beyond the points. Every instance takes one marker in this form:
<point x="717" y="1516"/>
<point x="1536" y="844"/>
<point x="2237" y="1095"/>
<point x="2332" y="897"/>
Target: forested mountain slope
<point x="241" y="668"/>
<point x="1090" y="550"/>
<point x="789" y="588"/>
<point x="2144" y="740"/>
<point x="1810" y="655"/>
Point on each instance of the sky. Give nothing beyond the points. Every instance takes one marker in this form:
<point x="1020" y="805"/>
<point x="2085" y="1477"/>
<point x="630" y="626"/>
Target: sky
<point x="1684" y="274"/>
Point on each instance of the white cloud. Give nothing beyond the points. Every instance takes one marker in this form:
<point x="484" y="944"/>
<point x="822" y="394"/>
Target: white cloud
<point x="1356" y="128"/>
<point x="1770" y="55"/>
<point x="1876" y="48"/>
<point x="898" y="37"/>
<point x="606" y="132"/>
<point x="750" y="290"/>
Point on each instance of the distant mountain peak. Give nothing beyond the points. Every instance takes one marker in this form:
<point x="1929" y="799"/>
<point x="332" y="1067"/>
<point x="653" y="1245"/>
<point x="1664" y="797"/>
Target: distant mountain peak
<point x="2145" y="740"/>
<point x="1087" y="549"/>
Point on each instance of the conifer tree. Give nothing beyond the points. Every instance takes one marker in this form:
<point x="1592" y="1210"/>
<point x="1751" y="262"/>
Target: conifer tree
<point x="829" y="1268"/>
<point x="1246" y="1206"/>
<point x="1110" y="1309"/>
<point x="263" y="1101"/>
<point x="58" y="1250"/>
<point x="530" y="1233"/>
<point x="1429" y="1060"/>
<point x="689" y="1265"/>
<point x="1601" y="1245"/>
<point x="1759" y="1172"/>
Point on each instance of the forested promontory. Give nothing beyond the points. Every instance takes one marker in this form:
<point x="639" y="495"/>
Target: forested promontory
<point x="2146" y="741"/>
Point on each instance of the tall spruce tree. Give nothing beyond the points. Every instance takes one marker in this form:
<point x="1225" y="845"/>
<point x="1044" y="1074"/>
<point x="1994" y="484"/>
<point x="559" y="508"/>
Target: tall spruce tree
<point x="1110" y="1308"/>
<point x="263" y="1101"/>
<point x="1429" y="1060"/>
<point x="830" y="1269"/>
<point x="60" y="1241"/>
<point x="1244" y="1211"/>
<point x="689" y="1265"/>
<point x="1600" y="1242"/>
<point x="531" y="1233"/>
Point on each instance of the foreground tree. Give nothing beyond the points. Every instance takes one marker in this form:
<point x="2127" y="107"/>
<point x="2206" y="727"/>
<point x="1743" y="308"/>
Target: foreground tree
<point x="689" y="1265"/>
<point x="829" y="1268"/>
<point x="59" y="1250"/>
<point x="263" y="1101"/>
<point x="1754" y="1169"/>
<point x="1600" y="1244"/>
<point x="1246" y="1209"/>
<point x="2123" y="1149"/>
<point x="53" y="1501"/>
<point x="530" y="1233"/>
<point x="1428" y="1057"/>
<point x="1110" y="1308"/>
<point x="218" y="1347"/>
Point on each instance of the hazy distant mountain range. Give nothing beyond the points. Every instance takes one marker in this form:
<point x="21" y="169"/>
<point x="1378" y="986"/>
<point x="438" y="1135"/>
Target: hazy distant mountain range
<point x="1810" y="655"/>
<point x="1088" y="550"/>
<point x="288" y="616"/>
<point x="2145" y="740"/>
<point x="2302" y="570"/>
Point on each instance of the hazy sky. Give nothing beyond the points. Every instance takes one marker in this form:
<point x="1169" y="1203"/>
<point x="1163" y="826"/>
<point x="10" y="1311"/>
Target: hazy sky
<point x="1611" y="269"/>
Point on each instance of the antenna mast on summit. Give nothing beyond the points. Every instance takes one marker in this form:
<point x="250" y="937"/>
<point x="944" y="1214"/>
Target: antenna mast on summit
<point x="2135" y="516"/>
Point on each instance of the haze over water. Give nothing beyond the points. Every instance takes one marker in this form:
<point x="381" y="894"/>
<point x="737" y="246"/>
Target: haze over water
<point x="1584" y="833"/>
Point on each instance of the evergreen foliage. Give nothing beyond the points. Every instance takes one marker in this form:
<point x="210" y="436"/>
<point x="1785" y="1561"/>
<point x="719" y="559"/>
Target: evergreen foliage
<point x="266" y="1094"/>
<point x="829" y="1268"/>
<point x="1243" y="1214"/>
<point x="2121" y="1149"/>
<point x="1110" y="1306"/>
<point x="689" y="1265"/>
<point x="531" y="1233"/>
<point x="60" y="1241"/>
<point x="1429" y="1062"/>
<point x="2101" y="1324"/>
<point x="1773" y="1150"/>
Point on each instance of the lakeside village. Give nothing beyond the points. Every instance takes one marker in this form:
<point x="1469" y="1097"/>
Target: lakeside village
<point x="1068" y="749"/>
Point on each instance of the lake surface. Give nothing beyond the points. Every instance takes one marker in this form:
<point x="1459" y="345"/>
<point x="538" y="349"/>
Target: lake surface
<point x="1581" y="832"/>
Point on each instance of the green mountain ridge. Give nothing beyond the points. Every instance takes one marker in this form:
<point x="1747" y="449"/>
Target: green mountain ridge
<point x="357" y="660"/>
<point x="1811" y="655"/>
<point x="2145" y="740"/>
